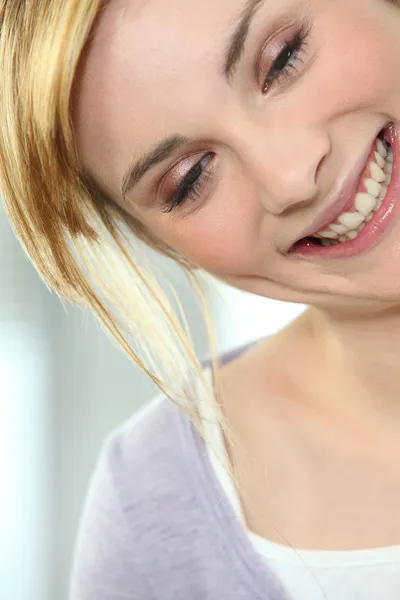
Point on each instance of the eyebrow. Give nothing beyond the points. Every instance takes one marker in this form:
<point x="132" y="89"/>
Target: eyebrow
<point x="161" y="152"/>
<point x="239" y="37"/>
<point x="168" y="146"/>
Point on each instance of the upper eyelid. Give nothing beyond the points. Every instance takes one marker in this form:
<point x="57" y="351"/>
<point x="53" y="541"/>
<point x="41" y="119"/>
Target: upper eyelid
<point x="155" y="176"/>
<point x="291" y="25"/>
<point x="204" y="174"/>
<point x="199" y="156"/>
<point x="211" y="180"/>
<point x="270" y="39"/>
<point x="292" y="22"/>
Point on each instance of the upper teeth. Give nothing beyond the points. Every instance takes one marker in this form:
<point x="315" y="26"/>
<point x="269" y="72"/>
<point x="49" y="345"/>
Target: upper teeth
<point x="351" y="220"/>
<point x="365" y="204"/>
<point x="350" y="224"/>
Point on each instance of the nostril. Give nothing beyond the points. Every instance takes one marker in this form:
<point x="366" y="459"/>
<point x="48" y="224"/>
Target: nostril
<point x="319" y="167"/>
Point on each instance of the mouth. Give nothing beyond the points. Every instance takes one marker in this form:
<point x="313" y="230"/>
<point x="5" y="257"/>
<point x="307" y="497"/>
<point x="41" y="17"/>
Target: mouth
<point x="365" y="208"/>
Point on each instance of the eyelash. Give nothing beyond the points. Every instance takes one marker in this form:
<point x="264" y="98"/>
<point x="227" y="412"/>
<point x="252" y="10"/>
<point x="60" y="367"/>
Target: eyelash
<point x="292" y="53"/>
<point x="193" y="183"/>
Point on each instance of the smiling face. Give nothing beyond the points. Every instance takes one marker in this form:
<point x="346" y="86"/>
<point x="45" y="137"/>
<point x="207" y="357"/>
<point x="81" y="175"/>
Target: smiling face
<point x="235" y="129"/>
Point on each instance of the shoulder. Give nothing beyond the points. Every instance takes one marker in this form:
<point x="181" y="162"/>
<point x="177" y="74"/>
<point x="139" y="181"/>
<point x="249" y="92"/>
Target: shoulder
<point x="141" y="455"/>
<point x="145" y="457"/>
<point x="140" y="439"/>
<point x="132" y="480"/>
<point x="149" y="477"/>
<point x="137" y="456"/>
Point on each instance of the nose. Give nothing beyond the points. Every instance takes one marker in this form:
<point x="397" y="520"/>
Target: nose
<point x="287" y="165"/>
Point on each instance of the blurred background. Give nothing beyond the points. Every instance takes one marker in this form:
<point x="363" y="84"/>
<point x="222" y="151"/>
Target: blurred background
<point x="63" y="386"/>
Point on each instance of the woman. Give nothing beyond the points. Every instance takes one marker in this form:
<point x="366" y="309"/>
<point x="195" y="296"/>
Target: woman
<point x="256" y="141"/>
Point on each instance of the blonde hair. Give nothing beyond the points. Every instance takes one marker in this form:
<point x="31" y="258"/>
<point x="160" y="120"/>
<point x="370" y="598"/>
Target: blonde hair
<point x="84" y="247"/>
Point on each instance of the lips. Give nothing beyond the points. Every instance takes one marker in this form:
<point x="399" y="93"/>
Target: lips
<point x="307" y="246"/>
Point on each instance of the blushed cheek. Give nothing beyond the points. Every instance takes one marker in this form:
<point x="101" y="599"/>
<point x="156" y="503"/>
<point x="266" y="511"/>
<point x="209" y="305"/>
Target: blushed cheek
<point x="361" y="56"/>
<point x="219" y="242"/>
<point x="218" y="253"/>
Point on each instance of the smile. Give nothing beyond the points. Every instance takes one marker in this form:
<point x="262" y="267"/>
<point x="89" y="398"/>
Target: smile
<point x="367" y="213"/>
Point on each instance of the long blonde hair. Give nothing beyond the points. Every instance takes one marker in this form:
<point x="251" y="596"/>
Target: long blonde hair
<point x="84" y="247"/>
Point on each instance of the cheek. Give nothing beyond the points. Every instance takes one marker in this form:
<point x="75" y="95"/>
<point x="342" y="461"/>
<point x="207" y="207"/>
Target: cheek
<point x="220" y="238"/>
<point x="360" y="56"/>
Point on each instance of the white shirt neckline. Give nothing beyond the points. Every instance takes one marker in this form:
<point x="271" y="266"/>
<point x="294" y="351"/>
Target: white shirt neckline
<point x="271" y="550"/>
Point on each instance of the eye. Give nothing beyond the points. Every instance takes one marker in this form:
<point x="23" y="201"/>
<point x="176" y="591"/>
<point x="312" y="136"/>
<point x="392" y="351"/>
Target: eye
<point x="288" y="60"/>
<point x="192" y="185"/>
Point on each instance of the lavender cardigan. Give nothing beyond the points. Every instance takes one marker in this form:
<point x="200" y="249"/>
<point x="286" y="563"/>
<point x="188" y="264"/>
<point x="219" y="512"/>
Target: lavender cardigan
<point x="156" y="524"/>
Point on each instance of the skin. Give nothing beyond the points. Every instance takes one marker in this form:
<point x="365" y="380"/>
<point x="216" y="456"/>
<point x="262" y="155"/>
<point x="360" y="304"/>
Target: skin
<point x="324" y="392"/>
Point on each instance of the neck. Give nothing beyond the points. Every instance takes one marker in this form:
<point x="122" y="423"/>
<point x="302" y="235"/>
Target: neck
<point x="356" y="360"/>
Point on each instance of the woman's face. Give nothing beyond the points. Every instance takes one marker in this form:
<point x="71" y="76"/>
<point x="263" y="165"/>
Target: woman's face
<point x="237" y="130"/>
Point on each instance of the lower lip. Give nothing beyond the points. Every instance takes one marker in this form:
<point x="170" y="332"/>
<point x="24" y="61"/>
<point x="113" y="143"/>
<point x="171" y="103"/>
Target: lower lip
<point x="375" y="228"/>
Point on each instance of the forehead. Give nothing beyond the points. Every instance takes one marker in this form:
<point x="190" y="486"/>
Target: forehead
<point x="151" y="68"/>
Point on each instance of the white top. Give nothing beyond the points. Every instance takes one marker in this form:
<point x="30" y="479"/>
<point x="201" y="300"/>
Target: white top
<point x="309" y="575"/>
